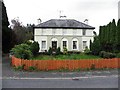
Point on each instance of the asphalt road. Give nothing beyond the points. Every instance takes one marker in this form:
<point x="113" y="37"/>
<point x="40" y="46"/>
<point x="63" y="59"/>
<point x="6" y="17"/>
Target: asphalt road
<point x="94" y="82"/>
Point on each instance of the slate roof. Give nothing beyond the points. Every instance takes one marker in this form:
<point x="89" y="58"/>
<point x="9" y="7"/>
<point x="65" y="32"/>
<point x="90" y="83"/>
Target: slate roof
<point x="64" y="23"/>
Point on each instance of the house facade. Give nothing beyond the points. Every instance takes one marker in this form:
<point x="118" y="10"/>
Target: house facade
<point x="69" y="33"/>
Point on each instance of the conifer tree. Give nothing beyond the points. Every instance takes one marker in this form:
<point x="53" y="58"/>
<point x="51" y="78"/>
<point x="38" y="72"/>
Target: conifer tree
<point x="6" y="32"/>
<point x="118" y="36"/>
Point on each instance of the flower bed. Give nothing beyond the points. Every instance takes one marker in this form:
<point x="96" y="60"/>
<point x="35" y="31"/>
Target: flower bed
<point x="66" y="64"/>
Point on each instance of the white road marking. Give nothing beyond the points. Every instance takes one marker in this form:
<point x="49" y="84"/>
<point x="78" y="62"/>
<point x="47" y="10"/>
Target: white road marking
<point x="59" y="78"/>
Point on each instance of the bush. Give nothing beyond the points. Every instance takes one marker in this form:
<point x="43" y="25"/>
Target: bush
<point x="32" y="68"/>
<point x="19" y="67"/>
<point x="58" y="51"/>
<point x="101" y="54"/>
<point x="118" y="55"/>
<point x="87" y="51"/>
<point x="34" y="48"/>
<point x="65" y="50"/>
<point x="104" y="54"/>
<point x="22" y="51"/>
<point x="50" y="51"/>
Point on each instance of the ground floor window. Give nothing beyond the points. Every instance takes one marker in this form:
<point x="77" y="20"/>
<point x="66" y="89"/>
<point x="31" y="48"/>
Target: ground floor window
<point x="43" y="45"/>
<point x="74" y="44"/>
<point x="84" y="44"/>
<point x="64" y="44"/>
<point x="54" y="45"/>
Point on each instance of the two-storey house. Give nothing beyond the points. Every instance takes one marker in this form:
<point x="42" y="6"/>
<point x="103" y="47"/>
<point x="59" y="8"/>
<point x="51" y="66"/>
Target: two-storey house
<point x="69" y="33"/>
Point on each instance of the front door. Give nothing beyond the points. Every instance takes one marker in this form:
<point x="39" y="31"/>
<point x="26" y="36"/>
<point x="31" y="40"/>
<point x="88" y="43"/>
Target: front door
<point x="54" y="45"/>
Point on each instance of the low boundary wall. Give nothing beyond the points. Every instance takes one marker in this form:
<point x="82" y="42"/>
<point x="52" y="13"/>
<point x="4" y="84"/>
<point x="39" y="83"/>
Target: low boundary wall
<point x="66" y="64"/>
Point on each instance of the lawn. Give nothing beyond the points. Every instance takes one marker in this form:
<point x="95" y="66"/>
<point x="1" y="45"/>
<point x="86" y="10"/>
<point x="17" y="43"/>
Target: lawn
<point x="65" y="57"/>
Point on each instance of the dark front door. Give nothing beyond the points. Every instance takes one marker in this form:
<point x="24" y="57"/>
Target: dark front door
<point x="54" y="45"/>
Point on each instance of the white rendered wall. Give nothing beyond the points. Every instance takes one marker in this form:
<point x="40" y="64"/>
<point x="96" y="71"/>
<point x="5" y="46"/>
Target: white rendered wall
<point x="89" y="32"/>
<point x="69" y="32"/>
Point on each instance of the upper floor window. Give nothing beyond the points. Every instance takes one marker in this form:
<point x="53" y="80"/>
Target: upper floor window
<point x="84" y="32"/>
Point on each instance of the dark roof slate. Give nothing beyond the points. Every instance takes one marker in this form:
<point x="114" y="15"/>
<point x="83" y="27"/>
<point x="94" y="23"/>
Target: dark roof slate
<point x="64" y="23"/>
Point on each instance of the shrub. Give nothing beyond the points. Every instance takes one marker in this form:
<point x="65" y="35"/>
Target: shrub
<point x="65" y="50"/>
<point x="101" y="54"/>
<point x="87" y="51"/>
<point x="22" y="51"/>
<point x="50" y="51"/>
<point x="118" y="55"/>
<point x="32" y="68"/>
<point x="104" y="54"/>
<point x="34" y="48"/>
<point x="58" y="51"/>
<point x="112" y="55"/>
<point x="19" y="67"/>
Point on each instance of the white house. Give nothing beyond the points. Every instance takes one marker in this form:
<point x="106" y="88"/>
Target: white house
<point x="69" y="33"/>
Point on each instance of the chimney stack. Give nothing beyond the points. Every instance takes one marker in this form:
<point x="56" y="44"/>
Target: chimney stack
<point x="86" y="21"/>
<point x="39" y="21"/>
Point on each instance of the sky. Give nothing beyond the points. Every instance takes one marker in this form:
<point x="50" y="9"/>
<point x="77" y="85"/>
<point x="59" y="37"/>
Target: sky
<point x="98" y="12"/>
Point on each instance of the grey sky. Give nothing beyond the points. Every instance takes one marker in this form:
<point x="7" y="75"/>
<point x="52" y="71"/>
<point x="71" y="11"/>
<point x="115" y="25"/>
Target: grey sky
<point x="98" y="12"/>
